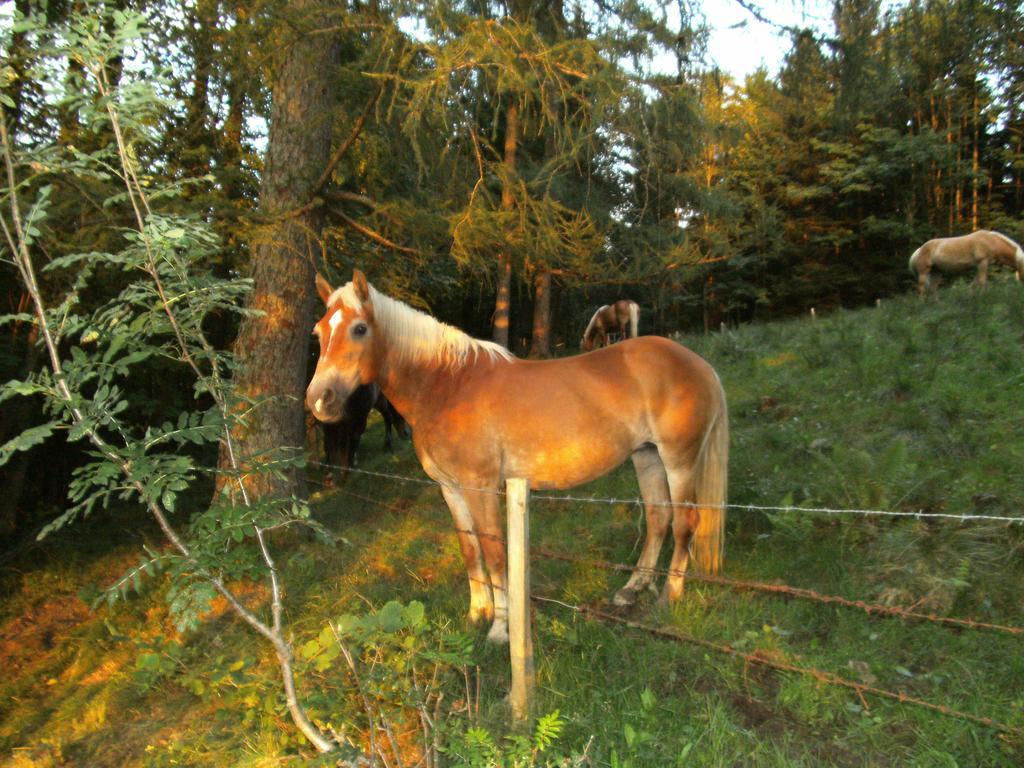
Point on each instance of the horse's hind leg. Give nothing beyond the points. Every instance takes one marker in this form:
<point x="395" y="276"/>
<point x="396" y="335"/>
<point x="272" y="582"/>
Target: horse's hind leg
<point x="684" y="523"/>
<point x="650" y="471"/>
<point x="481" y="603"/>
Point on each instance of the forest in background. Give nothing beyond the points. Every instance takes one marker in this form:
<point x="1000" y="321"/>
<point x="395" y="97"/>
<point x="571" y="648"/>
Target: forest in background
<point x="512" y="166"/>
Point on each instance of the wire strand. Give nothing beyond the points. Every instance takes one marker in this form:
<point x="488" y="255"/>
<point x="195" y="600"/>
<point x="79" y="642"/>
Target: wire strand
<point x="918" y="514"/>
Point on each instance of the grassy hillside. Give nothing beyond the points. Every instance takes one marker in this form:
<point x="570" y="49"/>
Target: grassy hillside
<point x="910" y="406"/>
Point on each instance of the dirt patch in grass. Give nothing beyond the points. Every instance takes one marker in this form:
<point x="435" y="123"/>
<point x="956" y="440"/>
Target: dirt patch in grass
<point x="758" y="715"/>
<point x="38" y="630"/>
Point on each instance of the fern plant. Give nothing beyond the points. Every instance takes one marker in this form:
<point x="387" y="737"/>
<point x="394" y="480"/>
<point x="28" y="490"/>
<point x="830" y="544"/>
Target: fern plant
<point x="476" y="747"/>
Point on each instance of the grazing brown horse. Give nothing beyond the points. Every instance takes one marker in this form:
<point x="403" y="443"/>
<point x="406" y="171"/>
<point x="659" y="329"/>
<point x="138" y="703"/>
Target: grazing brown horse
<point x="480" y="415"/>
<point x="617" y="318"/>
<point x="958" y="254"/>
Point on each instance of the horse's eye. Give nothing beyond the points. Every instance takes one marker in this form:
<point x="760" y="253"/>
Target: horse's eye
<point x="359" y="330"/>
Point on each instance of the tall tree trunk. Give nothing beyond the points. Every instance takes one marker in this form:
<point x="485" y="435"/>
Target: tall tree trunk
<point x="508" y="203"/>
<point x="541" y="344"/>
<point x="197" y="118"/>
<point x="235" y="80"/>
<point x="954" y="171"/>
<point x="974" y="168"/>
<point x="273" y="347"/>
<point x="935" y="209"/>
<point x="1018" y="176"/>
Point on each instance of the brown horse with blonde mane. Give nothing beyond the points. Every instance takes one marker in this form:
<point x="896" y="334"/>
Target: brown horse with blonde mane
<point x="480" y="415"/>
<point x="621" y="317"/>
<point x="979" y="250"/>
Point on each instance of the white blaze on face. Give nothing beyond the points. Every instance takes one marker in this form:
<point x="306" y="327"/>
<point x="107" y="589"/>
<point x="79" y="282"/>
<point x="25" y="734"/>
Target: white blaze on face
<point x="334" y="322"/>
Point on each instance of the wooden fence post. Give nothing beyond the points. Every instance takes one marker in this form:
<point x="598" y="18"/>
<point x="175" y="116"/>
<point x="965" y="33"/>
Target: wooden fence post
<point x="520" y="637"/>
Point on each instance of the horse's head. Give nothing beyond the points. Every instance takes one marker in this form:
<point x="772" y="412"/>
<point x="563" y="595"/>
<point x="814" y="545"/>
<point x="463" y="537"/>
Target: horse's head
<point x="587" y="343"/>
<point x="346" y="333"/>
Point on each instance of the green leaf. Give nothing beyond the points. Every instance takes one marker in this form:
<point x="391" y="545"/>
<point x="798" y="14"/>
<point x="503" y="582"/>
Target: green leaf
<point x="392" y="616"/>
<point x="414" y="613"/>
<point x="548" y="729"/>
<point x="326" y="637"/>
<point x="647" y="699"/>
<point x="17" y="317"/>
<point x="13" y="388"/>
<point x="346" y="624"/>
<point x="147" y="661"/>
<point x="28" y="439"/>
<point x="310" y="649"/>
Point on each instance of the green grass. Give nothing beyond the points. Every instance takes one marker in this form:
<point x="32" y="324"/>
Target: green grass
<point x="913" y="405"/>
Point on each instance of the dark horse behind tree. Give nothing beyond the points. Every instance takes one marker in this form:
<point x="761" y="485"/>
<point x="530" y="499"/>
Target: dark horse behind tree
<point x="978" y="250"/>
<point x="342" y="436"/>
<point x="480" y="415"/>
<point x="622" y="318"/>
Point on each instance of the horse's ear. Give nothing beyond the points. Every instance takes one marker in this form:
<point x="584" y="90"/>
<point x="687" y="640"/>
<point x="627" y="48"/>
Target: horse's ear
<point x="323" y="288"/>
<point x="361" y="286"/>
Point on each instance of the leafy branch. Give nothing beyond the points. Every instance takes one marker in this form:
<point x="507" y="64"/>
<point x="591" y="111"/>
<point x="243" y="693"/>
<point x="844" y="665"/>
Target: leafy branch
<point x="83" y="397"/>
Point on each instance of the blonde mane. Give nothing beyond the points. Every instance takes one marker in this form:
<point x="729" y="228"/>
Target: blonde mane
<point x="1009" y="240"/>
<point x="1018" y="250"/>
<point x="416" y="336"/>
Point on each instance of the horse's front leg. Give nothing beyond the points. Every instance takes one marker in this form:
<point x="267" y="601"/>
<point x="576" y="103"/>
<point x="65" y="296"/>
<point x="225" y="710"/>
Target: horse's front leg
<point x="387" y="429"/>
<point x="983" y="272"/>
<point x="481" y="602"/>
<point x="486" y="509"/>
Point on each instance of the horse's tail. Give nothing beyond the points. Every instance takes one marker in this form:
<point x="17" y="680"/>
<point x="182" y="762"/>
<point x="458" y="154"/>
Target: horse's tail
<point x="711" y="476"/>
<point x="634" y="319"/>
<point x="913" y="261"/>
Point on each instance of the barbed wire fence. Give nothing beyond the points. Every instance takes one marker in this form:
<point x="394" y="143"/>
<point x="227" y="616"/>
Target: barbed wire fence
<point x="918" y="514"/>
<point x="775" y="589"/>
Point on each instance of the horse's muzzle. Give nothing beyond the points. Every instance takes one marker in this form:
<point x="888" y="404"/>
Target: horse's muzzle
<point x="326" y="396"/>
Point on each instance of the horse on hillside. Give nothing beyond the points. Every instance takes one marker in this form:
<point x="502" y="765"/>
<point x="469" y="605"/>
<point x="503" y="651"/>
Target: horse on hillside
<point x="617" y="318"/>
<point x="958" y="254"/>
<point x="480" y="415"/>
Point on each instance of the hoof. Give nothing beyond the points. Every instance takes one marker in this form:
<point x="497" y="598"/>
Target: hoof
<point x="669" y="597"/>
<point x="498" y="633"/>
<point x="625" y="597"/>
<point x="478" y="616"/>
